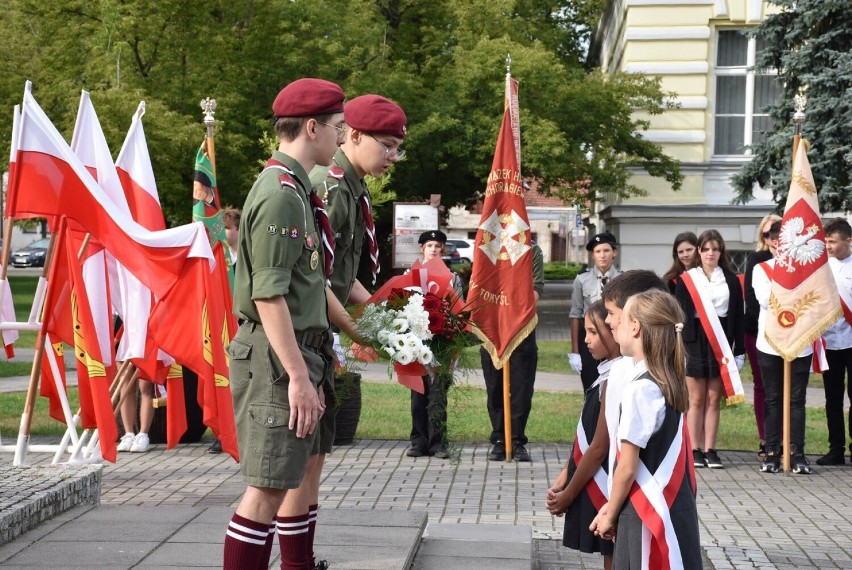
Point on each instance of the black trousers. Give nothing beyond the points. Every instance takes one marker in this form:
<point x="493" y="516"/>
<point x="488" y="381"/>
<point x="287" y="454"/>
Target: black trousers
<point x="590" y="366"/>
<point x="429" y="418"/>
<point x="772" y="371"/>
<point x="837" y="380"/>
<point x="522" y="366"/>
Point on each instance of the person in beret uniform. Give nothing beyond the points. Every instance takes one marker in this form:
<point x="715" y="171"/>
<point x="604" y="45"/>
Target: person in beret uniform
<point x="281" y="354"/>
<point x="375" y="129"/>
<point x="429" y="431"/>
<point x="587" y="289"/>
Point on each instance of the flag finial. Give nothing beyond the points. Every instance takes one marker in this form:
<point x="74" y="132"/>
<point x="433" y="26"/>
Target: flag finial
<point x="208" y="105"/>
<point x="508" y="63"/>
<point x="799" y="116"/>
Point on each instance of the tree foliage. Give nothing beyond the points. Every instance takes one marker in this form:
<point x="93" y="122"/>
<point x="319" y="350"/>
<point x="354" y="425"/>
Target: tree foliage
<point x="443" y="61"/>
<point x="808" y="44"/>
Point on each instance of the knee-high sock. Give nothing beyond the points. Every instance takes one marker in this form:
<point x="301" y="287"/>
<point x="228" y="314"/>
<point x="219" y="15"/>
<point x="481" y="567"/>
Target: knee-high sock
<point x="312" y="527"/>
<point x="245" y="543"/>
<point x="293" y="538"/>
<point x="267" y="548"/>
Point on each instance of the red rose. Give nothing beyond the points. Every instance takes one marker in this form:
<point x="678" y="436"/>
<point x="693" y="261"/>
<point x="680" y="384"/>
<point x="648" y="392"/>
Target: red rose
<point x="432" y="303"/>
<point x="398" y="298"/>
<point x="437" y="322"/>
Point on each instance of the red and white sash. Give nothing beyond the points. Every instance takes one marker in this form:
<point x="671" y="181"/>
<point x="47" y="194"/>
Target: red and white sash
<point x="698" y="290"/>
<point x="597" y="485"/>
<point x="653" y="494"/>
<point x="846" y="304"/>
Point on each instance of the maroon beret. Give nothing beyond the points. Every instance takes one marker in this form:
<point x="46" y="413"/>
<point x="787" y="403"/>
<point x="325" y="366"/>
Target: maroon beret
<point x="307" y="97"/>
<point x="375" y="114"/>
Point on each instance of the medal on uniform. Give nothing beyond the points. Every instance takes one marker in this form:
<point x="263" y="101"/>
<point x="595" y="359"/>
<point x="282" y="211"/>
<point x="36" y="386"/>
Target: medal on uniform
<point x="309" y="241"/>
<point x="314" y="260"/>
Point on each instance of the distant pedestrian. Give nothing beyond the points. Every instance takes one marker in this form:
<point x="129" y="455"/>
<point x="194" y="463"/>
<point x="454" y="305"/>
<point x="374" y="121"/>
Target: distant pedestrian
<point x="587" y="290"/>
<point x="651" y="513"/>
<point x="581" y="488"/>
<point x="712" y="298"/>
<point x="838" y="241"/>
<point x="684" y="258"/>
<point x="764" y="252"/>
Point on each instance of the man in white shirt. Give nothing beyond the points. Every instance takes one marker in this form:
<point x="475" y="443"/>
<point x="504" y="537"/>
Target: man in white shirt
<point x="838" y="339"/>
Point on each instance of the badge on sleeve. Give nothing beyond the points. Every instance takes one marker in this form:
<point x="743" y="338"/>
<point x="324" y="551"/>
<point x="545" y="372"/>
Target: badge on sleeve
<point x="294" y="233"/>
<point x="309" y="241"/>
<point x="272" y="229"/>
<point x="314" y="260"/>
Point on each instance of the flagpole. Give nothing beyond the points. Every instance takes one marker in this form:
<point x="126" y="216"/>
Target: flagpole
<point x="798" y="119"/>
<point x="208" y="105"/>
<point x="507" y="384"/>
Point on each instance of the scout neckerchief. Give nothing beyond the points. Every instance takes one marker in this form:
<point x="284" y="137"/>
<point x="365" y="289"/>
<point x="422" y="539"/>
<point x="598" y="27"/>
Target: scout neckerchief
<point x="320" y="215"/>
<point x="370" y="228"/>
<point x="596" y="488"/>
<point x="652" y="494"/>
<point x="698" y="286"/>
<point x="819" y="359"/>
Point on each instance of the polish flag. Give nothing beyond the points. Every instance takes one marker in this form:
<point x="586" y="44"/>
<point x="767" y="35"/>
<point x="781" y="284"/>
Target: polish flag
<point x="50" y="181"/>
<point x="7" y="312"/>
<point x="137" y="176"/>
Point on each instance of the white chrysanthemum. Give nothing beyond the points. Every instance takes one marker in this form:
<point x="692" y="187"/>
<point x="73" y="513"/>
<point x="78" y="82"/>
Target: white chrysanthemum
<point x="400" y="324"/>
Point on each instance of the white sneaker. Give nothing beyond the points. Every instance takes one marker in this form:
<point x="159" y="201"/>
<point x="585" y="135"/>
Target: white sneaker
<point x="126" y="442"/>
<point x="140" y="443"/>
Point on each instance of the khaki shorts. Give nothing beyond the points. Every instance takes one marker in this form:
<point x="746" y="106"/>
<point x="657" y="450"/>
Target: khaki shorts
<point x="270" y="453"/>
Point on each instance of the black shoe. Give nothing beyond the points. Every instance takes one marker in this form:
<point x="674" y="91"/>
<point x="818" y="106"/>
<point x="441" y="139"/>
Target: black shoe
<point x="441" y="453"/>
<point x="498" y="452"/>
<point x="698" y="458"/>
<point x="215" y="447"/>
<point x="772" y="463"/>
<point x="832" y="458"/>
<point x="321" y="565"/>
<point x="801" y="466"/>
<point x="711" y="458"/>
<point x="414" y="452"/>
<point x="520" y="453"/>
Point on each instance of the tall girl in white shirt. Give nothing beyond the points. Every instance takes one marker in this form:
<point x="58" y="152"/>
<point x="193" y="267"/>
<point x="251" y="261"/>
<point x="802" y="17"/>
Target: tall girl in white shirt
<point x="651" y="513"/>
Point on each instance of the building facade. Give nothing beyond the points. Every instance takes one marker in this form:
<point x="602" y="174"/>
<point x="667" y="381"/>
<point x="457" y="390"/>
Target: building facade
<point x="698" y="50"/>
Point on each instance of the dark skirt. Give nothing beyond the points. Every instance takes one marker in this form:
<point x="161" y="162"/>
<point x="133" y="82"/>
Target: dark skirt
<point x="700" y="360"/>
<point x="627" y="554"/>
<point x="576" y="534"/>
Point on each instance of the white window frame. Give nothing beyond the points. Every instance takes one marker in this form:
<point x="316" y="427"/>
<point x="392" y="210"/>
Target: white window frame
<point x="749" y="73"/>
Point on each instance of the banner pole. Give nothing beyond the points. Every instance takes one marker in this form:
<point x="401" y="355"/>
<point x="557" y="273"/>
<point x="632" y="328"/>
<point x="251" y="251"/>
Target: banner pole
<point x="507" y="411"/>
<point x="786" y="420"/>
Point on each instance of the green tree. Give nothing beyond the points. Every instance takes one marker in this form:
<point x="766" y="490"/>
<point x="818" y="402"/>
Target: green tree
<point x="807" y="44"/>
<point x="442" y="60"/>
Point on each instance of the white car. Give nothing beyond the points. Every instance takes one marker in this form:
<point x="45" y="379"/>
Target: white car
<point x="464" y="247"/>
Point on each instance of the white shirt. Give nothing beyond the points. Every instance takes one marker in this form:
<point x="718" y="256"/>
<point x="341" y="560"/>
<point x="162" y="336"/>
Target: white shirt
<point x="762" y="289"/>
<point x="719" y="293"/>
<point x="623" y="371"/>
<point x="642" y="401"/>
<point x="839" y="335"/>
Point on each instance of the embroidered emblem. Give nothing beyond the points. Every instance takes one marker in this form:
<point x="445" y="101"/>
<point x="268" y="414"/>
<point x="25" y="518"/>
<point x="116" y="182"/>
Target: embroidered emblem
<point x="309" y="240"/>
<point x="788" y="317"/>
<point x="336" y="172"/>
<point x="284" y="231"/>
<point x="314" y="260"/>
<point x="272" y="229"/>
<point x="799" y="245"/>
<point x="294" y="233"/>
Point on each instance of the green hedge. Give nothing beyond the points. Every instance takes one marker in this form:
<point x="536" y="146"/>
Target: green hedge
<point x="559" y="270"/>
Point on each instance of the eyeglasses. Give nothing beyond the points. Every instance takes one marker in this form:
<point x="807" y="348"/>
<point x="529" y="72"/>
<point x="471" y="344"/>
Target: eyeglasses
<point x="390" y="151"/>
<point x="765" y="235"/>
<point x="341" y="131"/>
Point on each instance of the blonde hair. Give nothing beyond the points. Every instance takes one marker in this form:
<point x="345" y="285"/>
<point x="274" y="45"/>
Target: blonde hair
<point x="659" y="314"/>
<point x="761" y="243"/>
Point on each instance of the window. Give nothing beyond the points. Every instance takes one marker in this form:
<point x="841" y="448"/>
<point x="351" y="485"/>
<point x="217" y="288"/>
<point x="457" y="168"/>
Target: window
<point x="742" y="95"/>
<point x="738" y="260"/>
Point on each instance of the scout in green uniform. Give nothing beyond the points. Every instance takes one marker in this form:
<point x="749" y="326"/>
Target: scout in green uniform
<point x="279" y="355"/>
<point x="376" y="129"/>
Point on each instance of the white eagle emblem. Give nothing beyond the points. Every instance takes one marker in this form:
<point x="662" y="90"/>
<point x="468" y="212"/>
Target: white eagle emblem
<point x="798" y="244"/>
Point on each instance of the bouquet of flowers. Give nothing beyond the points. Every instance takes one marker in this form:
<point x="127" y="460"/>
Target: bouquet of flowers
<point x="420" y="333"/>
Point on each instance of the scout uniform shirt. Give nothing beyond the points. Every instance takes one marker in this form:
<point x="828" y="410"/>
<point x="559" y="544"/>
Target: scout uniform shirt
<point x="280" y="251"/>
<point x="341" y="189"/>
<point x="587" y="289"/>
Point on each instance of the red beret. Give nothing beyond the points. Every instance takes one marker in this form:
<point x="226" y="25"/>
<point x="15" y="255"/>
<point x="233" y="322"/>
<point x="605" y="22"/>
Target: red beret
<point x="375" y="114"/>
<point x="307" y="97"/>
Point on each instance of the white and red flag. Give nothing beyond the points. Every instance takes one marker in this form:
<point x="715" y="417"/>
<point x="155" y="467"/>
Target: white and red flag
<point x="804" y="301"/>
<point x="501" y="285"/>
<point x="51" y="181"/>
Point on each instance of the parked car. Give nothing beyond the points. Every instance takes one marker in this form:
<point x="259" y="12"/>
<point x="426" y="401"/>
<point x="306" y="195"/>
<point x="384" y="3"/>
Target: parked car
<point x="31" y="255"/>
<point x="450" y="255"/>
<point x="464" y="247"/>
